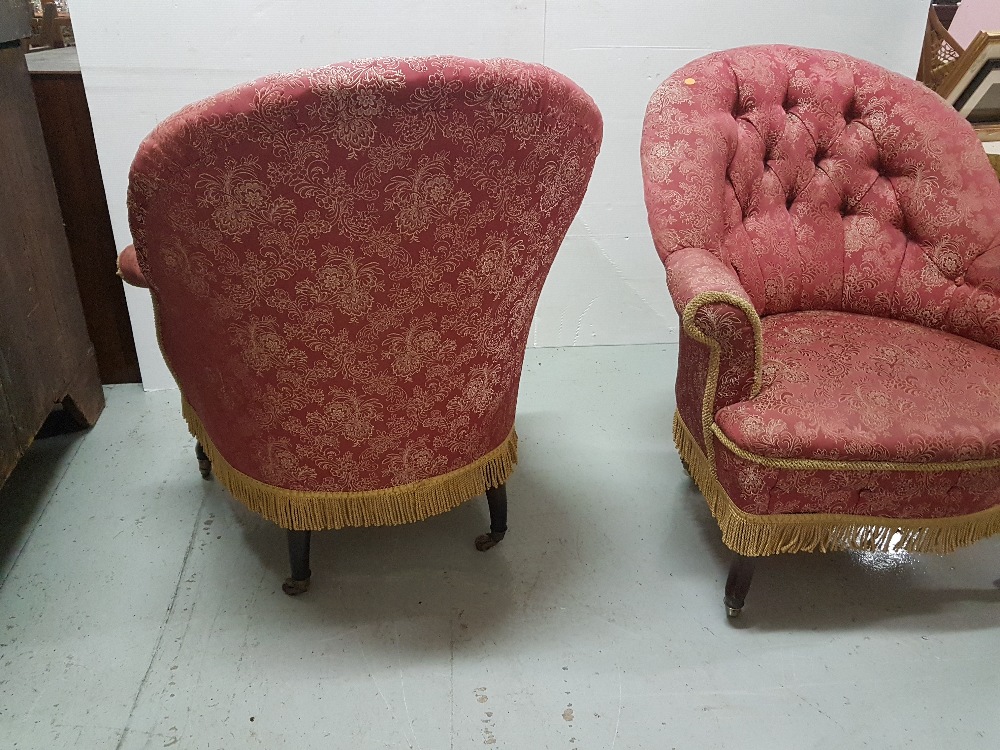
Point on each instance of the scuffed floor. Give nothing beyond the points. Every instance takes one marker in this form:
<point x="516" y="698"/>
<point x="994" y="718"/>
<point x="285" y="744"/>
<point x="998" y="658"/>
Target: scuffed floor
<point x="141" y="608"/>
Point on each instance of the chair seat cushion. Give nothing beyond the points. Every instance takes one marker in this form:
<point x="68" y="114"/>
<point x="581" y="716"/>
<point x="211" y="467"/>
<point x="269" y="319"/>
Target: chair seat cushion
<point x="844" y="387"/>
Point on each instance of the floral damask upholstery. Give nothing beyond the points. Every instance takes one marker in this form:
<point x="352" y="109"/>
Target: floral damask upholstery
<point x="831" y="234"/>
<point x="344" y="264"/>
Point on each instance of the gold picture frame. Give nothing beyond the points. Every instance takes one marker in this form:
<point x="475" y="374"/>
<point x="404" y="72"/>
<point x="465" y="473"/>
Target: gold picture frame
<point x="973" y="85"/>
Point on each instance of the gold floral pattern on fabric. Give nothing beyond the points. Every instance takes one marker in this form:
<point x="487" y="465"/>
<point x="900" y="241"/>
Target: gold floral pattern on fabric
<point x="887" y="493"/>
<point x="845" y="387"/>
<point x="826" y="182"/>
<point x="857" y="214"/>
<point x="345" y="261"/>
<point x="720" y="335"/>
<point x="758" y="507"/>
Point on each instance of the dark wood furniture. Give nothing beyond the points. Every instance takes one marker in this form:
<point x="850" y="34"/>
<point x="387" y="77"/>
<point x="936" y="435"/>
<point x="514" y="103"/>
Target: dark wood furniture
<point x="69" y="139"/>
<point x="49" y="27"/>
<point x="46" y="357"/>
<point x="945" y="11"/>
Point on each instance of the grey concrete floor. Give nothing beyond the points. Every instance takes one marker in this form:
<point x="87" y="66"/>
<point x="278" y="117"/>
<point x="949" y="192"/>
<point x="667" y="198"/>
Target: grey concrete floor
<point x="141" y="607"/>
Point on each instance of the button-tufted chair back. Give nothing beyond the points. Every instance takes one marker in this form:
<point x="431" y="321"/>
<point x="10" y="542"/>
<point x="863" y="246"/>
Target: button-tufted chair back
<point x="345" y="263"/>
<point x="827" y="182"/>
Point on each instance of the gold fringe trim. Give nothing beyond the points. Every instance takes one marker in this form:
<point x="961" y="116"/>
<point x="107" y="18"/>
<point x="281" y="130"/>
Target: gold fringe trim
<point x="316" y="511"/>
<point x="756" y="535"/>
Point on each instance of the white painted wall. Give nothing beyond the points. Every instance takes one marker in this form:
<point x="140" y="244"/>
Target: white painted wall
<point x="142" y="62"/>
<point x="972" y="17"/>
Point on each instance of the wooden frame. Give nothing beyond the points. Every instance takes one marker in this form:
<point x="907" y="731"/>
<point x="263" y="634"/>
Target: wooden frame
<point x="939" y="54"/>
<point x="975" y="75"/>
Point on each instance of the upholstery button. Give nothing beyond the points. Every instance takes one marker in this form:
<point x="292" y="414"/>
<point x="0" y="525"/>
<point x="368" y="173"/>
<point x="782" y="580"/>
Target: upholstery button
<point x="959" y="280"/>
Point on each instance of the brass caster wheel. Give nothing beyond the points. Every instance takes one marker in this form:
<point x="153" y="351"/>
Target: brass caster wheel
<point x="489" y="541"/>
<point x="733" y="611"/>
<point x="294" y="588"/>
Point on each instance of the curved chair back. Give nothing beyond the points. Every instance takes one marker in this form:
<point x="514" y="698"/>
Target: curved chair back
<point x="827" y="182"/>
<point x="344" y="264"/>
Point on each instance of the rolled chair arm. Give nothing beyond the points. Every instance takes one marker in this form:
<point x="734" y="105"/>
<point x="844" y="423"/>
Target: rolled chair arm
<point x="128" y="268"/>
<point x="721" y="347"/>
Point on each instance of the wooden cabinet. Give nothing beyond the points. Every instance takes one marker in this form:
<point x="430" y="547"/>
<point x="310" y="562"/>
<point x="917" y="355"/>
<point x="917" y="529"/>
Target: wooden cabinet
<point x="46" y="357"/>
<point x="69" y="139"/>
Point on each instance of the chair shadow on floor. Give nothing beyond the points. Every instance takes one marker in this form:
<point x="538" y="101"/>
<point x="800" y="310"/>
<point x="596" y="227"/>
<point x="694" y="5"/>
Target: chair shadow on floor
<point x="852" y="590"/>
<point x="427" y="572"/>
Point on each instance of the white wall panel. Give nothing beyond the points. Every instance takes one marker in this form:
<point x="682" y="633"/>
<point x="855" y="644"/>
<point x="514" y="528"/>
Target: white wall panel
<point x="143" y="62"/>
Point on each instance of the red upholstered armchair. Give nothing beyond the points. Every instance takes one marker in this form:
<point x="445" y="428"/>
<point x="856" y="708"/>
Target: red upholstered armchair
<point x="831" y="233"/>
<point x="344" y="264"/>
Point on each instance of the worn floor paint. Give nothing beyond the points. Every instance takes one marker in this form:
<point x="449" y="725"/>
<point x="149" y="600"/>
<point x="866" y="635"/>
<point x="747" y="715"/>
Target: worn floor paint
<point x="141" y="608"/>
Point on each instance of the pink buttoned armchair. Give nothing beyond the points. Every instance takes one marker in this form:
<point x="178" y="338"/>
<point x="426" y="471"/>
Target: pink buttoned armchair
<point x="831" y="234"/>
<point x="344" y="264"/>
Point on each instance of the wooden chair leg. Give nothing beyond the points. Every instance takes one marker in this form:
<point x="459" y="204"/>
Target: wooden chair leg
<point x="298" y="557"/>
<point x="204" y="463"/>
<point x="497" y="499"/>
<point x="738" y="583"/>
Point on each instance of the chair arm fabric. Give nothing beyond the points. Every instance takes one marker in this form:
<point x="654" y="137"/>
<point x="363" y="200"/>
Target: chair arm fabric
<point x="129" y="270"/>
<point x="693" y="272"/>
<point x="721" y="349"/>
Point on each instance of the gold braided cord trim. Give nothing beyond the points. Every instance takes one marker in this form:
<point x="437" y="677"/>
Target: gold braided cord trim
<point x="316" y="511"/>
<point x="757" y="535"/>
<point x="687" y="320"/>
<point x="708" y="298"/>
<point x="816" y="464"/>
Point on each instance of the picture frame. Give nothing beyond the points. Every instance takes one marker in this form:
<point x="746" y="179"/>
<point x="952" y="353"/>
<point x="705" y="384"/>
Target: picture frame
<point x="973" y="85"/>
